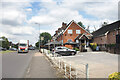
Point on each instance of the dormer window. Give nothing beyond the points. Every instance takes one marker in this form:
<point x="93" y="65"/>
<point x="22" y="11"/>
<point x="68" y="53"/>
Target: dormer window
<point x="69" y="31"/>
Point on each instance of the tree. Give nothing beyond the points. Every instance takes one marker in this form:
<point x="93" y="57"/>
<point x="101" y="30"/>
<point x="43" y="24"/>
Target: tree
<point x="46" y="36"/>
<point x="81" y="24"/>
<point x="5" y="42"/>
<point x="37" y="44"/>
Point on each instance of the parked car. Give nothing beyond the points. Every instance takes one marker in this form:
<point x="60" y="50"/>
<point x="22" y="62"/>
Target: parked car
<point x="0" y="48"/>
<point x="64" y="51"/>
<point x="31" y="48"/>
<point x="13" y="49"/>
<point x="3" y="49"/>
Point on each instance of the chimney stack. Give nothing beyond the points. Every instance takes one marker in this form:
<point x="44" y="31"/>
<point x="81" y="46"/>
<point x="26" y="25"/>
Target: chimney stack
<point x="64" y="25"/>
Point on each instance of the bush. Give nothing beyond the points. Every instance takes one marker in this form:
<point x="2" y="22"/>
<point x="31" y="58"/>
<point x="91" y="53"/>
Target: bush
<point x="76" y="49"/>
<point x="114" y="76"/>
<point x="111" y="45"/>
<point x="93" y="46"/>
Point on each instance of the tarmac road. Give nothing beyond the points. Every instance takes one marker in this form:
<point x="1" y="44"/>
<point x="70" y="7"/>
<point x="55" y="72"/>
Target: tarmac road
<point x="14" y="65"/>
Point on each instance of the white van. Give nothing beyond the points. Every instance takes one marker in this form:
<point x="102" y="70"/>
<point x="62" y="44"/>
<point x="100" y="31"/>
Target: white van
<point x="23" y="46"/>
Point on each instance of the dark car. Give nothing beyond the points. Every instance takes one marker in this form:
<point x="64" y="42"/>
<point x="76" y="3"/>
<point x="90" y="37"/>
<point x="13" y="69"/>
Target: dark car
<point x="64" y="51"/>
<point x="13" y="49"/>
<point x="31" y="48"/>
<point x="3" y="49"/>
<point x="0" y="48"/>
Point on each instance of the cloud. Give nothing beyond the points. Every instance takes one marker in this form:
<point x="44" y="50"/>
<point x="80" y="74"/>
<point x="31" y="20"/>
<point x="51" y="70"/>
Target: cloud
<point x="29" y="9"/>
<point x="54" y="14"/>
<point x="17" y="23"/>
<point x="13" y="13"/>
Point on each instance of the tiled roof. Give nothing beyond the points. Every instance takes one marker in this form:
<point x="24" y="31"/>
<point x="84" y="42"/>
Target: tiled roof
<point x="80" y="35"/>
<point x="106" y="28"/>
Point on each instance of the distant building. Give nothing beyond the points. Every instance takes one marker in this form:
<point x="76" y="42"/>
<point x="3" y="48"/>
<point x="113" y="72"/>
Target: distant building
<point x="108" y="34"/>
<point x="72" y="33"/>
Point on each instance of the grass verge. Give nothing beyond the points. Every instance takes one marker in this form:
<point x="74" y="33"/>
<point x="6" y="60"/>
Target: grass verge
<point x="7" y="51"/>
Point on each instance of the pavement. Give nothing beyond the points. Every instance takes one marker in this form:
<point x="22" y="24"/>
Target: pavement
<point x="14" y="65"/>
<point x="40" y="67"/>
<point x="101" y="64"/>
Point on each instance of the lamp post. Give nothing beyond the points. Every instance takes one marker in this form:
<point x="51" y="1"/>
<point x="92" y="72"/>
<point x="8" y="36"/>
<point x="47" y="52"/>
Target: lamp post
<point x="62" y="38"/>
<point x="39" y="35"/>
<point x="54" y="42"/>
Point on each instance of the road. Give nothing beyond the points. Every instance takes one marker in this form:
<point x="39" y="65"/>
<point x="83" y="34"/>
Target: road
<point x="14" y="65"/>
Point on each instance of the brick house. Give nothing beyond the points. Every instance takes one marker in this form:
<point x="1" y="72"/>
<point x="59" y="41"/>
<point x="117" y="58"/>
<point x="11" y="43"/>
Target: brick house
<point x="107" y="35"/>
<point x="71" y="33"/>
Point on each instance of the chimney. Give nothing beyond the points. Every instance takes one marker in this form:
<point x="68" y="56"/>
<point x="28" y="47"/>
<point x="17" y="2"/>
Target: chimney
<point x="56" y="31"/>
<point x="64" y="25"/>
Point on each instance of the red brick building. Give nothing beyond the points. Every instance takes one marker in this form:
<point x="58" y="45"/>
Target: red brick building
<point x="70" y="33"/>
<point x="107" y="35"/>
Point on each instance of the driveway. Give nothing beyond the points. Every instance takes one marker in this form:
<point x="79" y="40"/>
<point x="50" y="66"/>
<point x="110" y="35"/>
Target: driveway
<point x="101" y="64"/>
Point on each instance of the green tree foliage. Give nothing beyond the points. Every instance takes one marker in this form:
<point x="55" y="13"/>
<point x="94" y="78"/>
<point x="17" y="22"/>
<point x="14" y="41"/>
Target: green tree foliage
<point x="5" y="42"/>
<point x="37" y="44"/>
<point x="46" y="36"/>
<point x="81" y="24"/>
<point x="15" y="46"/>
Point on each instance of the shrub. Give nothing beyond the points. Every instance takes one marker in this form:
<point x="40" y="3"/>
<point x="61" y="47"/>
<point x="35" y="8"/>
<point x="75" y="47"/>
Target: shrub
<point x="114" y="76"/>
<point x="111" y="45"/>
<point x="93" y="46"/>
<point x="76" y="49"/>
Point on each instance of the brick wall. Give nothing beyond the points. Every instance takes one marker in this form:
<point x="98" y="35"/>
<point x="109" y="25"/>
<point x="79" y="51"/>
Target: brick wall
<point x="100" y="40"/>
<point x="111" y="37"/>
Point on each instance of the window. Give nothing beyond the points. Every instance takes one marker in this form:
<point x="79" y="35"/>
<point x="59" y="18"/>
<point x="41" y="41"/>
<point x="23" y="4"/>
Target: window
<point x="69" y="31"/>
<point x="23" y="44"/>
<point x="77" y="31"/>
<point x="70" y="34"/>
<point x="77" y="41"/>
<point x="69" y="40"/>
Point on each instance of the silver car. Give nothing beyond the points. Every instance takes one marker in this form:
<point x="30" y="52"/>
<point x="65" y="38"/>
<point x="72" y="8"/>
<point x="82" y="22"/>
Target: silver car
<point x="64" y="51"/>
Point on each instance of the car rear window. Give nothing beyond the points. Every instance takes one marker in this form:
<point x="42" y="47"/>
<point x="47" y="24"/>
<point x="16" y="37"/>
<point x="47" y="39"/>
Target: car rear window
<point x="59" y="48"/>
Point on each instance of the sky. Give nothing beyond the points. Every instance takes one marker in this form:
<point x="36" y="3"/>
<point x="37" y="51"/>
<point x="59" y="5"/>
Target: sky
<point x="18" y="18"/>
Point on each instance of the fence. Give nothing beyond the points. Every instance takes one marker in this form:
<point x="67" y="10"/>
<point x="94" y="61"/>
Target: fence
<point x="70" y="71"/>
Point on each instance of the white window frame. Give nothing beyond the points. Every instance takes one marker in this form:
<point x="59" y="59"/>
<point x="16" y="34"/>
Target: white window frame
<point x="70" y="31"/>
<point x="77" y="41"/>
<point x="78" y="32"/>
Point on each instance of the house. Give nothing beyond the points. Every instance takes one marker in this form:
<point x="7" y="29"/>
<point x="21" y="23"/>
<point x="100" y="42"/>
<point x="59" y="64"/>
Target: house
<point x="72" y="33"/>
<point x="107" y="35"/>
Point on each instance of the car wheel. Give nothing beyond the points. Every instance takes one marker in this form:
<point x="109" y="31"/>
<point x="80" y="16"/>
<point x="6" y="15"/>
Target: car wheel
<point x="73" y="53"/>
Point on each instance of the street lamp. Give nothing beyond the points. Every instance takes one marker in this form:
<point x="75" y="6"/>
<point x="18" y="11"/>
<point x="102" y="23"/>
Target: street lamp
<point x="39" y="35"/>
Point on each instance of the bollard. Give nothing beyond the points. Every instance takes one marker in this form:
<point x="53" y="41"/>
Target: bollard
<point x="76" y="74"/>
<point x="59" y="64"/>
<point x="70" y="71"/>
<point x="87" y="73"/>
<point x="65" y="69"/>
